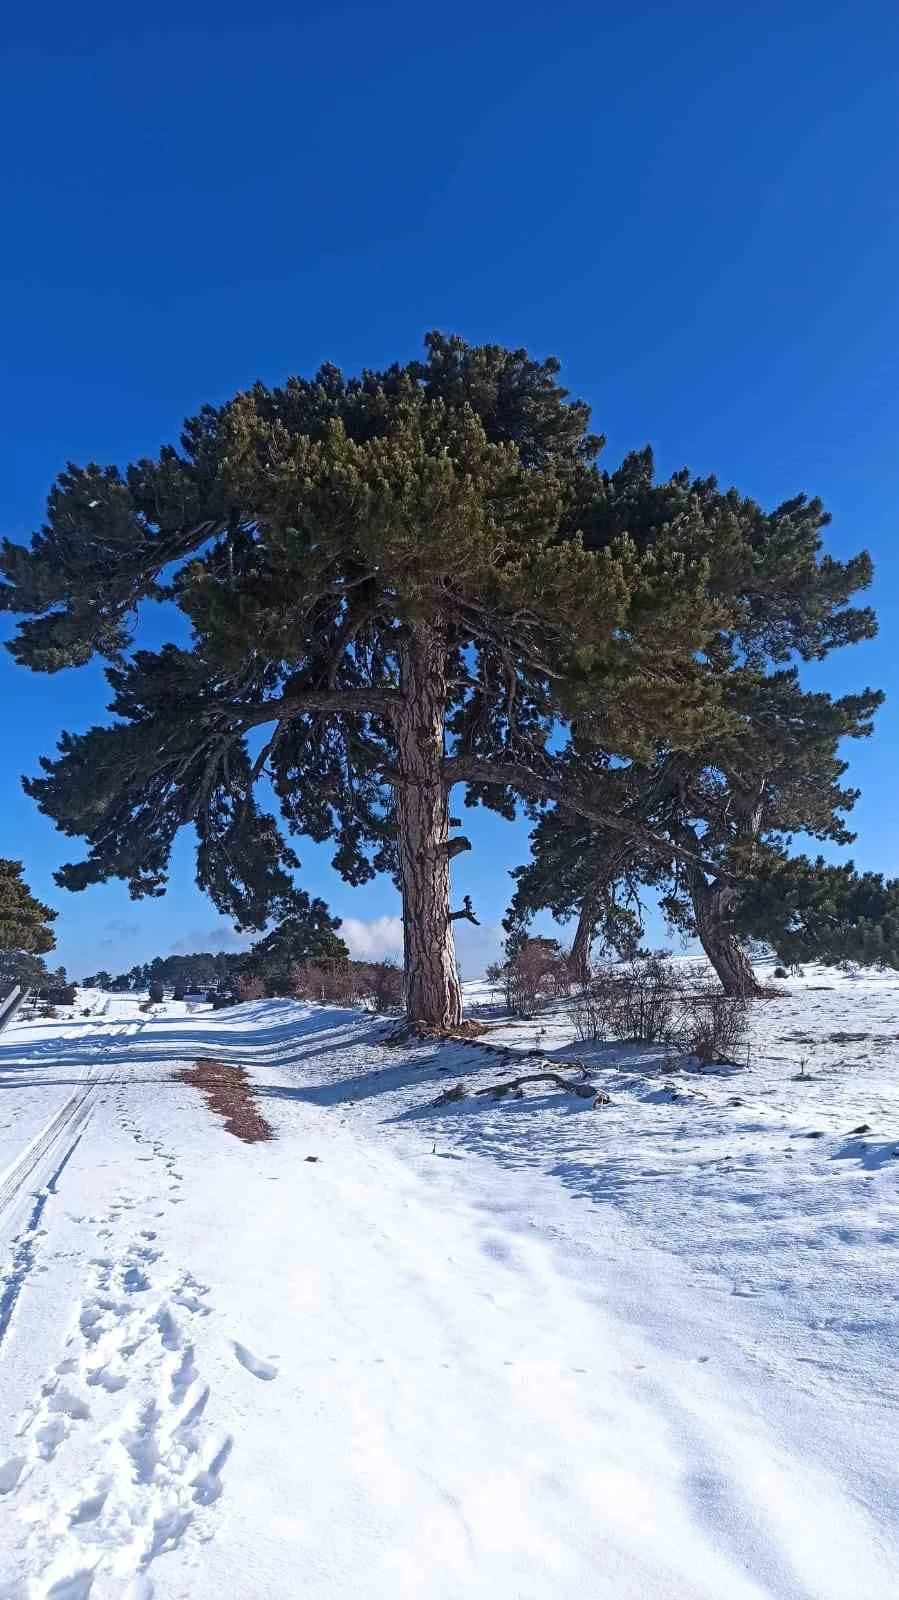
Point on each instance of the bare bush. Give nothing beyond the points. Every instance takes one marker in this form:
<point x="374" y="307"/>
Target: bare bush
<point x="247" y="988"/>
<point x="351" y="983"/>
<point x="654" y="1002"/>
<point x="335" y="982"/>
<point x="717" y="1026"/>
<point x="538" y="971"/>
<point x="385" y="986"/>
<point x="637" y="1000"/>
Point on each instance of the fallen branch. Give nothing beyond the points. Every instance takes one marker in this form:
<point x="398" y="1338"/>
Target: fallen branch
<point x="586" y="1091"/>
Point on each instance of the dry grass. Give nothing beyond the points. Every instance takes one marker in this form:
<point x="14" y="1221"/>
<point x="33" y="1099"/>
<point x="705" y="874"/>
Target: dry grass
<point x="227" y="1091"/>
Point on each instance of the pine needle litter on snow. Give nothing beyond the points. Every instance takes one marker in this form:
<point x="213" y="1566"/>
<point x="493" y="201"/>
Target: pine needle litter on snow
<point x="226" y="1090"/>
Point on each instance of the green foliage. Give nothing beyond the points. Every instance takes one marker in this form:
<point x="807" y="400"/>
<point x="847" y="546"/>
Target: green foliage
<point x="816" y="911"/>
<point x="301" y="530"/>
<point x="31" y="971"/>
<point x="24" y="920"/>
<point x="766" y="765"/>
<point x="202" y="969"/>
<point x="311" y="940"/>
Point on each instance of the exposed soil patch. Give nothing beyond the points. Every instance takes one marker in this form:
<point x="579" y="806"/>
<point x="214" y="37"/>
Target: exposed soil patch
<point x="227" y="1090"/>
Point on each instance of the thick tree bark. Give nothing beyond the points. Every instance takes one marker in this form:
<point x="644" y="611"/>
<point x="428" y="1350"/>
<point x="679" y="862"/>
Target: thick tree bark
<point x="433" y="992"/>
<point x="710" y="905"/>
<point x="579" y="958"/>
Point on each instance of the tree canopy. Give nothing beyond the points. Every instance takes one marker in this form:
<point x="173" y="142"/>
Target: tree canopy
<point x="396" y="583"/>
<point x="25" y="922"/>
<point x="769" y="768"/>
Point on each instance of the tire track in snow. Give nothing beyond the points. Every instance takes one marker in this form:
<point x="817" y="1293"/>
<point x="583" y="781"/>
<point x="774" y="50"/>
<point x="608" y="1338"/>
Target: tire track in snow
<point x="24" y="1245"/>
<point x="41" y="1147"/>
<point x="64" y="1129"/>
<point x="71" y="1112"/>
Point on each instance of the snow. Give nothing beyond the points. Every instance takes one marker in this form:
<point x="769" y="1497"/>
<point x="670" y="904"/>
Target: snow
<point x="524" y="1349"/>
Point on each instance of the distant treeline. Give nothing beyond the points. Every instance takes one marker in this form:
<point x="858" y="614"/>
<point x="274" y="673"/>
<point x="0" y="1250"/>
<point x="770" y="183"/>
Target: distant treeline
<point x="204" y="969"/>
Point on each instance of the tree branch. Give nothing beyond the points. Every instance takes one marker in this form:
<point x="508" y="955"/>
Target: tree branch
<point x="293" y="705"/>
<point x="466" y="914"/>
<point x="506" y="775"/>
<point x="586" y="1091"/>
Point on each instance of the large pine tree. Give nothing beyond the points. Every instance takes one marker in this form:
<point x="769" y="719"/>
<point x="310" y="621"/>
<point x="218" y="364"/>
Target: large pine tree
<point x="394" y="583"/>
<point x="730" y="807"/>
<point x="767" y="767"/>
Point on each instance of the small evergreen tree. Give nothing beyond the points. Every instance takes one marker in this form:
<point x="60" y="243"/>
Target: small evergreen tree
<point x="312" y="939"/>
<point x="25" y="931"/>
<point x="817" y="911"/>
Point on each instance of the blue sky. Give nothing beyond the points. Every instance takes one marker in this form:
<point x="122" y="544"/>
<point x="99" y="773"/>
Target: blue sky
<point x="695" y="206"/>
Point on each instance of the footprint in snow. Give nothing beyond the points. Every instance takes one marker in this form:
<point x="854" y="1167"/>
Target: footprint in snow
<point x="105" y="1378"/>
<point x="74" y="1586"/>
<point x="207" y="1485"/>
<point x="64" y="1403"/>
<point x="259" y="1368"/>
<point x="89" y="1509"/>
<point x="10" y="1473"/>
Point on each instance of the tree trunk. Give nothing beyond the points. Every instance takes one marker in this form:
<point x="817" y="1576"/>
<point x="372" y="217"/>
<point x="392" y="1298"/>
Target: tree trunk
<point x="579" y="956"/>
<point x="710" y="905"/>
<point x="433" y="992"/>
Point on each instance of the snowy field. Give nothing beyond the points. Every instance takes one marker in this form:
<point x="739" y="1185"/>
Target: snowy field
<point x="524" y="1350"/>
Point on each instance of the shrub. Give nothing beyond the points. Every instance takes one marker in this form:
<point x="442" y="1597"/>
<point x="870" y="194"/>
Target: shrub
<point x="716" y="1027"/>
<point x="654" y="1002"/>
<point x="249" y="988"/>
<point x="336" y="983"/>
<point x="536" y="972"/>
<point x="385" y="986"/>
<point x="637" y="1000"/>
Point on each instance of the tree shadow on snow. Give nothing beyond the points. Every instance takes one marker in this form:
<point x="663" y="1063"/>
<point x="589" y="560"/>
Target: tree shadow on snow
<point x="284" y="1037"/>
<point x="868" y="1153"/>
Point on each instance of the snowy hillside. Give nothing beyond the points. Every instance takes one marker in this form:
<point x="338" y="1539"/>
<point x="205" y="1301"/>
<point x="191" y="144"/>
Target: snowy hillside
<point x="525" y="1349"/>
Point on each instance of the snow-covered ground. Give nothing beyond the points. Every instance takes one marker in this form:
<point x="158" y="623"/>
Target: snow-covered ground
<point x="524" y="1350"/>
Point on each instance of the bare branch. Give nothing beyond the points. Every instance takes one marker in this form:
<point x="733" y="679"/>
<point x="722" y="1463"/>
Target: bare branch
<point x="466" y="914"/>
<point x="586" y="1091"/>
<point x="456" y="846"/>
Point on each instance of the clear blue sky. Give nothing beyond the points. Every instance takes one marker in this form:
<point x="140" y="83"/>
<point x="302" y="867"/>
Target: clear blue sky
<point x="696" y="206"/>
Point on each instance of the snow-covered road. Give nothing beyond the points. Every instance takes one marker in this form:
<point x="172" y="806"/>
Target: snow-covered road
<point x="438" y="1360"/>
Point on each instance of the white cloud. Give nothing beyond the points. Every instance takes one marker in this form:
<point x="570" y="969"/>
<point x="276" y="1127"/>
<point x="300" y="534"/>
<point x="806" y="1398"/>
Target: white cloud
<point x="377" y="940"/>
<point x="381" y="939"/>
<point x="476" y="947"/>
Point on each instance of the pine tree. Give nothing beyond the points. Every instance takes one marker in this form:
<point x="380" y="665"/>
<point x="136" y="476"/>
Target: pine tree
<point x="24" y="920"/>
<point x="394" y="584"/>
<point x="25" y="931"/>
<point x="730" y="807"/>
<point x="296" y="942"/>
<point x="767" y="767"/>
<point x="813" y="910"/>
